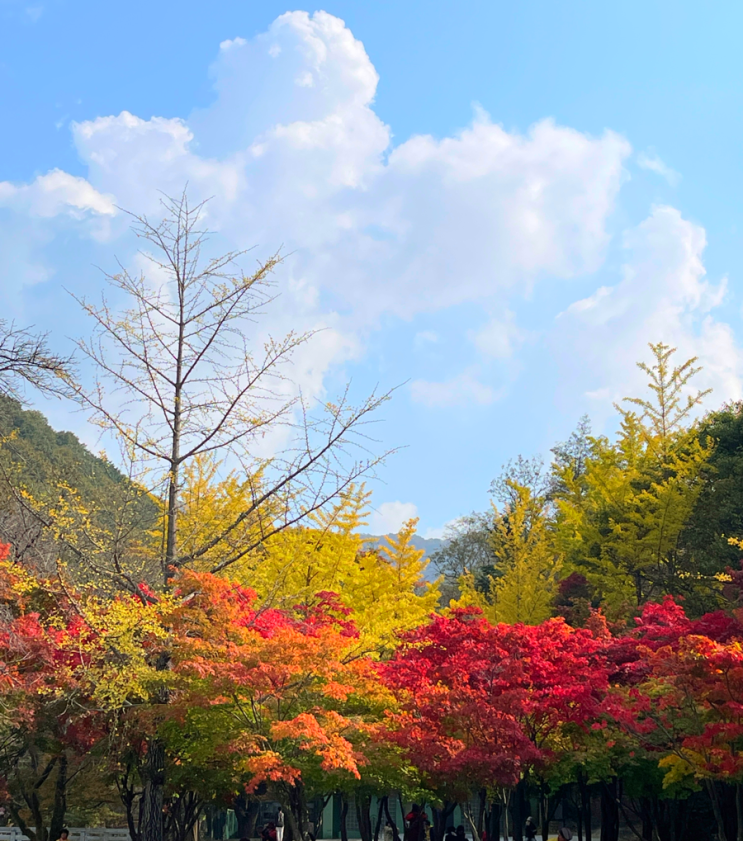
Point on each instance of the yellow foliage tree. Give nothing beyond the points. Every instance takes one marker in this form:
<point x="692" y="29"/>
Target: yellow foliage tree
<point x="384" y="586"/>
<point x="527" y="564"/>
<point x="619" y="522"/>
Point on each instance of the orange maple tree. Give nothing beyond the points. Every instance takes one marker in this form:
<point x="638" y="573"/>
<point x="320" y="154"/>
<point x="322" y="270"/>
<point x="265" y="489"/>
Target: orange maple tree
<point x="274" y="693"/>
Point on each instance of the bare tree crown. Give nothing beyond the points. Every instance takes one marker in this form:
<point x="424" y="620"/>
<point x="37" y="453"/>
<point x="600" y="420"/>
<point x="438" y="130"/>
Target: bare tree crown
<point x="25" y="359"/>
<point x="179" y="379"/>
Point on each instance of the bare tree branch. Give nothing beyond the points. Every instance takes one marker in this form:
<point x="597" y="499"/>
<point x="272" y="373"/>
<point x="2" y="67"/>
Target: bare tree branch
<point x="25" y="359"/>
<point x="181" y="378"/>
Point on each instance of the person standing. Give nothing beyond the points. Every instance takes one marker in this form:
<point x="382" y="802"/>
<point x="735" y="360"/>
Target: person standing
<point x="416" y="821"/>
<point x="530" y="829"/>
<point x="280" y="825"/>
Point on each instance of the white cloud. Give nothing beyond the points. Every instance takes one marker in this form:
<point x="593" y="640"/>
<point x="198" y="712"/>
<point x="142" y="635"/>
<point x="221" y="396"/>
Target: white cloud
<point x="499" y="338"/>
<point x="651" y="161"/>
<point x="54" y="193"/>
<point x="664" y="295"/>
<point x="462" y="390"/>
<point x="299" y="159"/>
<point x="436" y="533"/>
<point x="295" y="155"/>
<point x="389" y="517"/>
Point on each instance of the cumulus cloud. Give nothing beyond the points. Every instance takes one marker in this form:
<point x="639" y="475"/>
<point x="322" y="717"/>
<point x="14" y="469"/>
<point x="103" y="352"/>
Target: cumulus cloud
<point x="55" y="193"/>
<point x="389" y="517"/>
<point x="294" y="154"/>
<point x="301" y="158"/>
<point x="664" y="295"/>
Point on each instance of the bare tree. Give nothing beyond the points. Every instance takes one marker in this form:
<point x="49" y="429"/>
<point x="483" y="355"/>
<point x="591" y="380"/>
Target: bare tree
<point x="25" y="359"/>
<point x="179" y="380"/>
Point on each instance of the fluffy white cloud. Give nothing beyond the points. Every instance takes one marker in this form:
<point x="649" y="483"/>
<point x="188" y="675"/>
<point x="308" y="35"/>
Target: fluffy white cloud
<point x="55" y="193"/>
<point x="295" y="155"/>
<point x="664" y="295"/>
<point x="389" y="517"/>
<point x="298" y="158"/>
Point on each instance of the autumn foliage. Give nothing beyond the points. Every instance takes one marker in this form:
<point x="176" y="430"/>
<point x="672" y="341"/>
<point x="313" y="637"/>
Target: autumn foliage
<point x="242" y="696"/>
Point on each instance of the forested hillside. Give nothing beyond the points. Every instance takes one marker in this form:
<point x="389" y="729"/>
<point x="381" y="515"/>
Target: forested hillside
<point x="46" y="466"/>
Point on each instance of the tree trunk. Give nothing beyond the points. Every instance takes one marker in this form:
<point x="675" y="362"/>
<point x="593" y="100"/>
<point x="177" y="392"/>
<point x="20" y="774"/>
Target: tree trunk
<point x="246" y="811"/>
<point x="171" y="542"/>
<point x="441" y="818"/>
<point x="344" y="815"/>
<point x="153" y="798"/>
<point x="646" y="813"/>
<point x="393" y="825"/>
<point x="494" y="822"/>
<point x="519" y="811"/>
<point x="181" y="814"/>
<point x="482" y="812"/>
<point x="59" y="809"/>
<point x="363" y="805"/>
<point x="609" y="811"/>
<point x="295" y="811"/>
<point x="544" y="807"/>
<point x="716" y="809"/>
<point x="380" y="813"/>
<point x="585" y="805"/>
<point x="739" y="812"/>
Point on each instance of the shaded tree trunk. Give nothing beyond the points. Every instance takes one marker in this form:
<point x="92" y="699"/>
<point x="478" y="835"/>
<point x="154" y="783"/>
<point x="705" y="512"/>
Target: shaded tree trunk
<point x="481" y="812"/>
<point x="579" y="813"/>
<point x="544" y="808"/>
<point x="585" y="804"/>
<point x="519" y="811"/>
<point x="363" y="806"/>
<point x="59" y="810"/>
<point x="441" y="818"/>
<point x="181" y="815"/>
<point x="380" y="815"/>
<point x="493" y="832"/>
<point x="153" y="796"/>
<point x="646" y="814"/>
<point x="246" y="811"/>
<point x="610" y="811"/>
<point x="344" y="815"/>
<point x="714" y="797"/>
<point x="390" y="821"/>
<point x="295" y="811"/>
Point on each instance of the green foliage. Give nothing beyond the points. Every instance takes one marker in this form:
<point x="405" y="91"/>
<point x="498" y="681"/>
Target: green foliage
<point x="43" y="471"/>
<point x="44" y="457"/>
<point x="718" y="511"/>
<point x="468" y="549"/>
<point x="619" y="520"/>
<point x="526" y="563"/>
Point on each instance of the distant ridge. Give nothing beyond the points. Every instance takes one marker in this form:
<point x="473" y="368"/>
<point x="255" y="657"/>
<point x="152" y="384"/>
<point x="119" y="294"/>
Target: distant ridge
<point x="428" y="544"/>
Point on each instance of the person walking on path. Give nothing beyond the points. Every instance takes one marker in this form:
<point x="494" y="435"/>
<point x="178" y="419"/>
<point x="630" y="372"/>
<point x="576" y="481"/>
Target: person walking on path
<point x="280" y="825"/>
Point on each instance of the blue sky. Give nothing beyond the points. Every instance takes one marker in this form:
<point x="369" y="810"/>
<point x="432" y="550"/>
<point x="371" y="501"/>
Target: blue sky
<point x="497" y="205"/>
